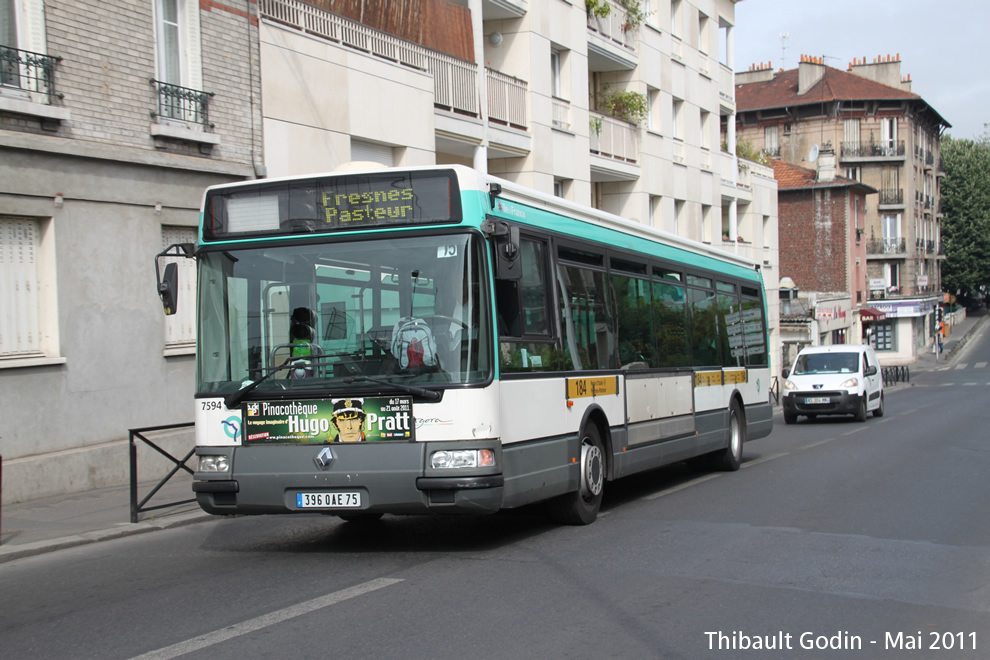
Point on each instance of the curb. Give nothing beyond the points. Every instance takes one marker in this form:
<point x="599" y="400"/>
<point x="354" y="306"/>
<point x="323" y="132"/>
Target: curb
<point x="10" y="553"/>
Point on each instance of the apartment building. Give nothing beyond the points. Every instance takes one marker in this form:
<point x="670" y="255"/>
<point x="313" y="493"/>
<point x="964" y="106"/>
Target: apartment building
<point x="114" y="116"/>
<point x="884" y="136"/>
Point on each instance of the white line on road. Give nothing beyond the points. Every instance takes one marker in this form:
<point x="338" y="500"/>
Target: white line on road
<point x="670" y="491"/>
<point x="962" y="366"/>
<point x="764" y="459"/>
<point x="980" y="365"/>
<point x="263" y="621"/>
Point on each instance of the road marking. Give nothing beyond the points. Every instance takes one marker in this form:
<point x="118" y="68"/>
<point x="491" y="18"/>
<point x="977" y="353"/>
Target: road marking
<point x="673" y="490"/>
<point x="962" y="366"/>
<point x="265" y="620"/>
<point x="765" y="459"/>
<point x="820" y="442"/>
<point x="980" y="365"/>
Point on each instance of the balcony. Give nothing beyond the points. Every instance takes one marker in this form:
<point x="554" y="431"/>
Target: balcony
<point x="726" y="91"/>
<point x="614" y="138"/>
<point x="885" y="150"/>
<point x="181" y="104"/>
<point x="887" y="246"/>
<point x="891" y="197"/>
<point x="611" y="46"/>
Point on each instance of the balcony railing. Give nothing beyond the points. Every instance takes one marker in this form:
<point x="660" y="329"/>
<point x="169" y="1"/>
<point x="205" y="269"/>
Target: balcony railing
<point x="506" y="99"/>
<point x="884" y="149"/>
<point x="886" y="246"/>
<point x="924" y="247"/>
<point x="614" y="138"/>
<point x="612" y="27"/>
<point x="891" y="197"/>
<point x="182" y="104"/>
<point x="31" y="72"/>
<point x="561" y="113"/>
<point x="454" y="80"/>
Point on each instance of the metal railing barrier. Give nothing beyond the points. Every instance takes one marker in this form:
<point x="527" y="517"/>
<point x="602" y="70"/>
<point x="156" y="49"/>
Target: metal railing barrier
<point x="901" y="374"/>
<point x="180" y="464"/>
<point x="775" y="390"/>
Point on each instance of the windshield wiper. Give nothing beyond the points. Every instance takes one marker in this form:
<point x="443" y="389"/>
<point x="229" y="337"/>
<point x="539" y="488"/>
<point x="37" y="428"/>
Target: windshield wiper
<point x="430" y="395"/>
<point x="234" y="398"/>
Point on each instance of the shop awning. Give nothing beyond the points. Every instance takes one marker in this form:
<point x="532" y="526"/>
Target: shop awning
<point x="870" y="314"/>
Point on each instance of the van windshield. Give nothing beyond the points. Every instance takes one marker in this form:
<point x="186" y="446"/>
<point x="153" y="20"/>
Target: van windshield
<point x="827" y="363"/>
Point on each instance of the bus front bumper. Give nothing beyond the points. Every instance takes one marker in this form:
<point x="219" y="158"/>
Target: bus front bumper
<point x="383" y="478"/>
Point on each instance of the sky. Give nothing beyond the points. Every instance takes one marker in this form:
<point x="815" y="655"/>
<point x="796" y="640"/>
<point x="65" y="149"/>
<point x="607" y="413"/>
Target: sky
<point x="945" y="45"/>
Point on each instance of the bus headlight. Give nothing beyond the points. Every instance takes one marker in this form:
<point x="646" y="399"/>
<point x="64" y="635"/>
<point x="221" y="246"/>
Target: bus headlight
<point x="462" y="458"/>
<point x="214" y="464"/>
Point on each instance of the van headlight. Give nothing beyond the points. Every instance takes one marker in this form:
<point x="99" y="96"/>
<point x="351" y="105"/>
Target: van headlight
<point x="214" y="464"/>
<point x="789" y="385"/>
<point x="462" y="458"/>
<point x="850" y="384"/>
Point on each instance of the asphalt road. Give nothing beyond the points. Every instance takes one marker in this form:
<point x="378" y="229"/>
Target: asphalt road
<point x="834" y="534"/>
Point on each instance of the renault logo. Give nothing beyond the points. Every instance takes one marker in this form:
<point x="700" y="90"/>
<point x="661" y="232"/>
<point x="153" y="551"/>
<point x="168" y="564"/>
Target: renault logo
<point x="324" y="458"/>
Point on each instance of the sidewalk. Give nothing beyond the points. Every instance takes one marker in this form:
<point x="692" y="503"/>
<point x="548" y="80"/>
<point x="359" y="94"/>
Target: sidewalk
<point x="53" y="523"/>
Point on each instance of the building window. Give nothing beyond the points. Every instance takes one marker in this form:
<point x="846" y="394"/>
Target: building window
<point x="853" y="173"/>
<point x="180" y="328"/>
<point x="678" y="216"/>
<point x="653" y="109"/>
<point x="28" y="305"/>
<point x="656" y="212"/>
<point x="675" y="18"/>
<point x="771" y="145"/>
<point x="702" y="33"/>
<point x="705" y="128"/>
<point x="706" y="223"/>
<point x="892" y="273"/>
<point x="372" y="152"/>
<point x="882" y="338"/>
<point x="677" y="119"/>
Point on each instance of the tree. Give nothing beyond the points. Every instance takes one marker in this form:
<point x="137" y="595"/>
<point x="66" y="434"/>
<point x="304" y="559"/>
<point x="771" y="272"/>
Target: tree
<point x="966" y="214"/>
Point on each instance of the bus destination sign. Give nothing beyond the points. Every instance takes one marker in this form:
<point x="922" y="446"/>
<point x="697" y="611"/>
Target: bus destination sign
<point x="333" y="203"/>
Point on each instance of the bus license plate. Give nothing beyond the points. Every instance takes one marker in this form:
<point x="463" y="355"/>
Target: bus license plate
<point x="349" y="500"/>
<point x="817" y="399"/>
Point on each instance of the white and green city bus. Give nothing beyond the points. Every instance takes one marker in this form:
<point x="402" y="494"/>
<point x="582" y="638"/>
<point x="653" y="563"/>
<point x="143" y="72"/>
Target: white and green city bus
<point x="436" y="340"/>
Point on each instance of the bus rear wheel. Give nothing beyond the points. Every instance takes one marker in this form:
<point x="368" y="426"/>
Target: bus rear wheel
<point x="730" y="458"/>
<point x="581" y="506"/>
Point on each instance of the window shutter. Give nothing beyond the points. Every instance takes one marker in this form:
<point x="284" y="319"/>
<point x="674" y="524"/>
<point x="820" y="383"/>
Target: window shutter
<point x="19" y="331"/>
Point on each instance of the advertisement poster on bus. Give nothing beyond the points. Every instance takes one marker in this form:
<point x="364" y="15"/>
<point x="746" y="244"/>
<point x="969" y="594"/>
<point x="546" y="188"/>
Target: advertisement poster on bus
<point x="348" y="419"/>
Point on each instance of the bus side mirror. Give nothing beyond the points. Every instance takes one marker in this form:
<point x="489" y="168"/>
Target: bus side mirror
<point x="168" y="282"/>
<point x="168" y="288"/>
<point x="505" y="239"/>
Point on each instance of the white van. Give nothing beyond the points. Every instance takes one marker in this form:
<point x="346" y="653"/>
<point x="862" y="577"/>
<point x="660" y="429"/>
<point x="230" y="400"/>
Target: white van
<point x="842" y="379"/>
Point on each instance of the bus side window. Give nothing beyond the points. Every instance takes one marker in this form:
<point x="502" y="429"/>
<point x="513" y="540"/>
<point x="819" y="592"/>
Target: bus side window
<point x="525" y="339"/>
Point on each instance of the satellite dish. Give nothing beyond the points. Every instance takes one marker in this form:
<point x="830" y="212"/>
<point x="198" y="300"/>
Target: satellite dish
<point x="813" y="154"/>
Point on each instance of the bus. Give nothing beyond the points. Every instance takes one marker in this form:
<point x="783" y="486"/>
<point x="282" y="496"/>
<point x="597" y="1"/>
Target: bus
<point x="434" y="340"/>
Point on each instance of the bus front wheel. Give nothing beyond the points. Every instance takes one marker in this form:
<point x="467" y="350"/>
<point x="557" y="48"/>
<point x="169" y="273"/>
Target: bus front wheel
<point x="581" y="506"/>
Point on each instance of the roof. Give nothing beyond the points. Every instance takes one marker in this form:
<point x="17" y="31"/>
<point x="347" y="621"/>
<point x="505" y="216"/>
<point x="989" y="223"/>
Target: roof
<point x="792" y="177"/>
<point x="835" y="85"/>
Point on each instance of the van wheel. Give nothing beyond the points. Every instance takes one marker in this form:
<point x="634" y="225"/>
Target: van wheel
<point x="581" y="506"/>
<point x="861" y="413"/>
<point x="789" y="418"/>
<point x="879" y="411"/>
<point x="730" y="458"/>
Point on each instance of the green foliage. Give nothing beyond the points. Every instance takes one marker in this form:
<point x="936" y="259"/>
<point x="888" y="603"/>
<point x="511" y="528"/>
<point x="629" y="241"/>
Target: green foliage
<point x="966" y="214"/>
<point x="630" y="106"/>
<point x="745" y="149"/>
<point x="598" y="8"/>
<point x="634" y="14"/>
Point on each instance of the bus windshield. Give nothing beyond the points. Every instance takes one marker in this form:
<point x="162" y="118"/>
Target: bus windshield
<point x="318" y="317"/>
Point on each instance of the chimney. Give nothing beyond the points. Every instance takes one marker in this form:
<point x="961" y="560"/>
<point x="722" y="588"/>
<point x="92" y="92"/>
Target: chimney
<point x="762" y="72"/>
<point x="885" y="70"/>
<point x="826" y="164"/>
<point x="810" y="71"/>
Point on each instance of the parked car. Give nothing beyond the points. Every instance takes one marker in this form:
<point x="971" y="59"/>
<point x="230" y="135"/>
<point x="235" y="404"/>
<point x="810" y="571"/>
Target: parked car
<point x="841" y="379"/>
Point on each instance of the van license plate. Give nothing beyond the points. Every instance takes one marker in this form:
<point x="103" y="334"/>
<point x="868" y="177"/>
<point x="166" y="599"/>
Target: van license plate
<point x="817" y="399"/>
<point x="348" y="500"/>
